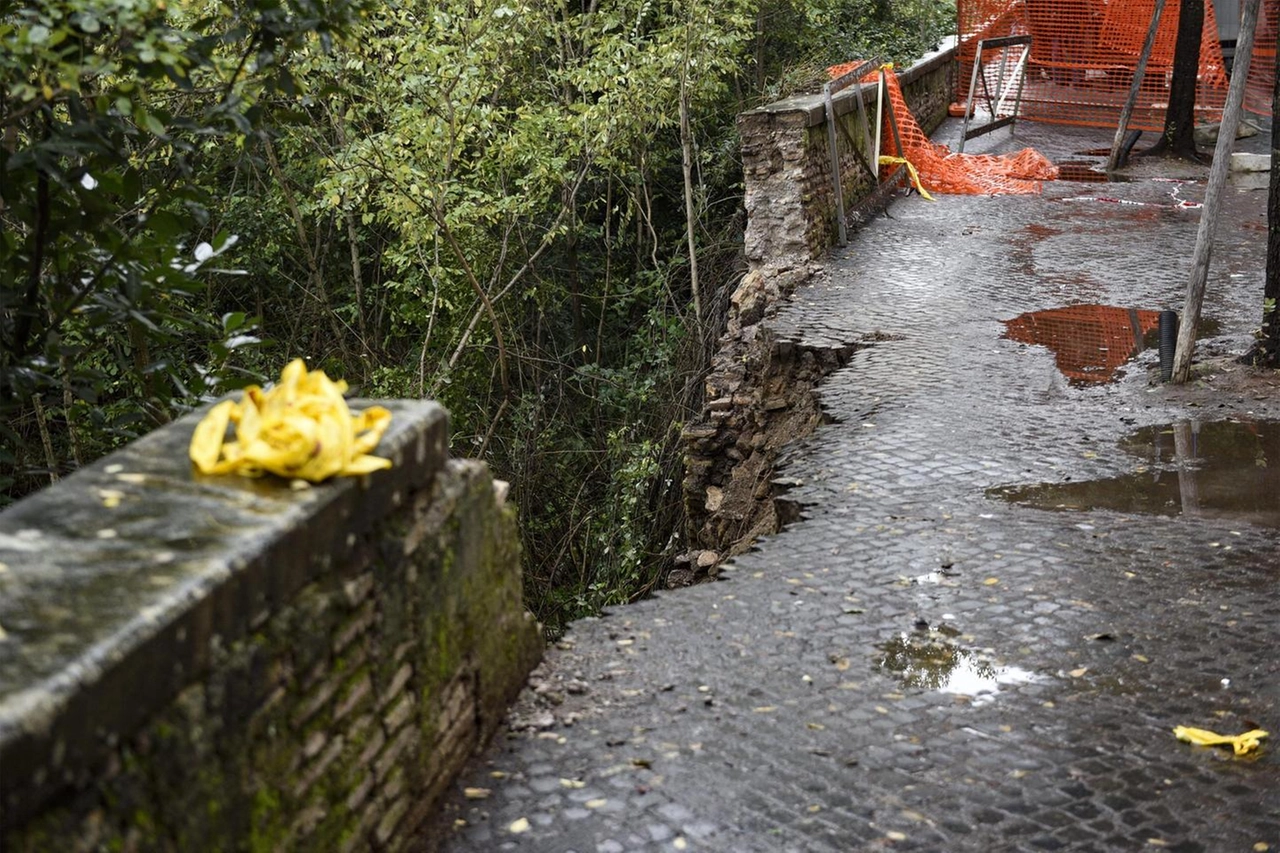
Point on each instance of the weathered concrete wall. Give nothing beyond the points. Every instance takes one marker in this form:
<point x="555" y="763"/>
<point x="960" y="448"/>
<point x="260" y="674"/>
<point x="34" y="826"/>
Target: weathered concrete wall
<point x="198" y="663"/>
<point x="760" y="390"/>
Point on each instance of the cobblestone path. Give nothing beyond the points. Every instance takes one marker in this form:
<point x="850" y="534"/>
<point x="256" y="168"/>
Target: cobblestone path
<point x="916" y="665"/>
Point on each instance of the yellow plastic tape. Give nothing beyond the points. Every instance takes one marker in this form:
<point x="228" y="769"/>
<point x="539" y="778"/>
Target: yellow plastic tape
<point x="300" y="428"/>
<point x="886" y="160"/>
<point x="1242" y="744"/>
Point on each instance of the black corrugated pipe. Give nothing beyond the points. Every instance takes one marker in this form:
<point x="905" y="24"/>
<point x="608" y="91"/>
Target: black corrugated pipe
<point x="1168" y="343"/>
<point x="1126" y="149"/>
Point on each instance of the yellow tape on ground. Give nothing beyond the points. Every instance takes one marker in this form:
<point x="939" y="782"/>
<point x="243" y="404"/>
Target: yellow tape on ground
<point x="1203" y="737"/>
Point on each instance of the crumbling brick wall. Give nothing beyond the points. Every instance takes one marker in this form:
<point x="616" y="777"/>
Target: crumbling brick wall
<point x="760" y="391"/>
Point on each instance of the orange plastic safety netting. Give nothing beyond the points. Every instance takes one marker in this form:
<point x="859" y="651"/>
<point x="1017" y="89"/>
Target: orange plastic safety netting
<point x="1083" y="56"/>
<point x="1262" y="69"/>
<point x="936" y="167"/>
<point x="1090" y="342"/>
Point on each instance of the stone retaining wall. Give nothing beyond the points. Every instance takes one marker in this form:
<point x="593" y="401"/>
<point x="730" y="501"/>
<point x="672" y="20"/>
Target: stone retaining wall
<point x="198" y="663"/>
<point x="759" y="391"/>
<point x="790" y="196"/>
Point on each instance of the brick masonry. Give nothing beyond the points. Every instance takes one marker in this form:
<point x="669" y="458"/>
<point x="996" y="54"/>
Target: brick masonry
<point x="336" y="715"/>
<point x="789" y="192"/>
<point x="759" y="393"/>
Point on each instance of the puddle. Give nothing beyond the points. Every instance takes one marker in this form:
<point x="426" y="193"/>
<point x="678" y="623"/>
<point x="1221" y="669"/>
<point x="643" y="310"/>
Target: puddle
<point x="1226" y="470"/>
<point x="1085" y="173"/>
<point x="925" y="660"/>
<point x="1090" y="343"/>
<point x="944" y="575"/>
<point x="1209" y="328"/>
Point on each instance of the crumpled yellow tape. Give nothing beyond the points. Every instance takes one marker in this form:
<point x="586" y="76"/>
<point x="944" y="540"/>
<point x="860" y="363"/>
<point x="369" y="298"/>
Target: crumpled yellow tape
<point x="1203" y="737"/>
<point x="886" y="160"/>
<point x="300" y="428"/>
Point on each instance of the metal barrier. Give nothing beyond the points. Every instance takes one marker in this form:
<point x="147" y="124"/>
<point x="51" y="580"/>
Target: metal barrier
<point x="996" y="101"/>
<point x="834" y="129"/>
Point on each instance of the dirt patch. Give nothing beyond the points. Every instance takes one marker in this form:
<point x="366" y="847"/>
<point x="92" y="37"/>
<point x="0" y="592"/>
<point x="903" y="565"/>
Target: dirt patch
<point x="1220" y="381"/>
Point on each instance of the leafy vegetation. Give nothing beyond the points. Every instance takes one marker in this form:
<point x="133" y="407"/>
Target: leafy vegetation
<point x="529" y="209"/>
<point x="107" y="113"/>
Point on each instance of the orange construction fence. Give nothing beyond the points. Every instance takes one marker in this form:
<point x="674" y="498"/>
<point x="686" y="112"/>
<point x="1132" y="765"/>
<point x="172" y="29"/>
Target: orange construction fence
<point x="1083" y="56"/>
<point x="1262" y="69"/>
<point x="935" y="168"/>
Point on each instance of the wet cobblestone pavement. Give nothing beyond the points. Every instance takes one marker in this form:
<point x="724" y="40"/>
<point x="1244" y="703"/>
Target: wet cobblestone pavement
<point x="915" y="665"/>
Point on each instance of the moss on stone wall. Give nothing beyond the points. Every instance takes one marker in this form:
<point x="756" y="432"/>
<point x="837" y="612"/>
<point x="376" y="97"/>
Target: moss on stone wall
<point x="353" y="703"/>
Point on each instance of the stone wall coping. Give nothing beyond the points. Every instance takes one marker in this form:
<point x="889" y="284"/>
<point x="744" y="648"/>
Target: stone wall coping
<point x="123" y="579"/>
<point x="813" y="111"/>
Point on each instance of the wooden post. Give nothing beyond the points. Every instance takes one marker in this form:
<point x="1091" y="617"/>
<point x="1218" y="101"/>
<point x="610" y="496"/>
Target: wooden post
<point x="1213" y="195"/>
<point x="875" y="152"/>
<point x="842" y="226"/>
<point x="1113" y="162"/>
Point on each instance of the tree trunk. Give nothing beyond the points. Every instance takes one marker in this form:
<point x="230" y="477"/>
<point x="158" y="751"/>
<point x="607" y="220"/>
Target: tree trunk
<point x="46" y="440"/>
<point x="357" y="274"/>
<point x="572" y="265"/>
<point x="1266" y="353"/>
<point x="318" y="286"/>
<point x="690" y="218"/>
<point x="357" y="281"/>
<point x="1179" y="119"/>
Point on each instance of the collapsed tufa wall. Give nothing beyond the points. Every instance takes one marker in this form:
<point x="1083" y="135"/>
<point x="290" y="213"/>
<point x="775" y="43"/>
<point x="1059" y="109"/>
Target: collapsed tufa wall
<point x="214" y="663"/>
<point x="760" y="391"/>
